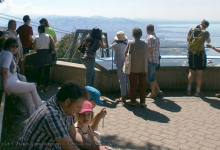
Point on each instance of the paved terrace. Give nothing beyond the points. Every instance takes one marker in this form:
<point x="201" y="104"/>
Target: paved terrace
<point x="170" y="123"/>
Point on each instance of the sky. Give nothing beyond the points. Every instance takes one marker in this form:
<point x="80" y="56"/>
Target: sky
<point x="138" y="9"/>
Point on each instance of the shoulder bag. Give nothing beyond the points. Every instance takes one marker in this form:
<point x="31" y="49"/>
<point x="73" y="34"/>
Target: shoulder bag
<point x="127" y="63"/>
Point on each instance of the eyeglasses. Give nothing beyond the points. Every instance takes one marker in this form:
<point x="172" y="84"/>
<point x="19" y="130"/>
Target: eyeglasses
<point x="14" y="46"/>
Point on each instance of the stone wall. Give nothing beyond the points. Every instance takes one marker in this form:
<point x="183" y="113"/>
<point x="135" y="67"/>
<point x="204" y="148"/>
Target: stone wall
<point x="106" y="81"/>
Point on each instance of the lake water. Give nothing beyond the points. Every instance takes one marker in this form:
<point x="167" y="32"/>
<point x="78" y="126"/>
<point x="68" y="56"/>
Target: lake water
<point x="177" y="33"/>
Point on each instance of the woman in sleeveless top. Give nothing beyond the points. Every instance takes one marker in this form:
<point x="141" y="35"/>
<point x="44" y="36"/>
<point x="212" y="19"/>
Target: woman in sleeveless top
<point x="43" y="59"/>
<point x="93" y="43"/>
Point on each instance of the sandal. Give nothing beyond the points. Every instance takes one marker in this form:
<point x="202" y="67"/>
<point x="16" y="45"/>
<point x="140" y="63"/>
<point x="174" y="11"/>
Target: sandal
<point x="150" y="95"/>
<point x="120" y="100"/>
<point x="131" y="104"/>
<point x="143" y="105"/>
<point x="159" y="93"/>
<point x="217" y="95"/>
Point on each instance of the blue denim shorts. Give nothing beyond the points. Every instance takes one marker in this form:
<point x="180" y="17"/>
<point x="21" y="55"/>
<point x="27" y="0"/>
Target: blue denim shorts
<point x="152" y="67"/>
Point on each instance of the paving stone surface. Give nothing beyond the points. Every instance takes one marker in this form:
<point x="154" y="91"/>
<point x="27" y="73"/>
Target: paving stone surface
<point x="173" y="122"/>
<point x="168" y="123"/>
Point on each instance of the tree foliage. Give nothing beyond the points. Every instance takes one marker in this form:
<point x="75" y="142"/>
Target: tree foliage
<point x="63" y="45"/>
<point x="1" y="1"/>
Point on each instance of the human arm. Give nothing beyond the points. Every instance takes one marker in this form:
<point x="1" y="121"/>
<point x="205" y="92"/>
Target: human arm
<point x="114" y="41"/>
<point x="150" y="43"/>
<point x="208" y="40"/>
<point x="188" y="36"/>
<point x="4" y="75"/>
<point x="35" y="44"/>
<point x="97" y="119"/>
<point x="103" y="43"/>
<point x="93" y="137"/>
<point x="30" y="38"/>
<point x="127" y="49"/>
<point x="149" y="52"/>
<point x="7" y="59"/>
<point x="215" y="48"/>
<point x="30" y="31"/>
<point x="83" y="142"/>
<point x="52" y="43"/>
<point x="55" y="39"/>
<point x="67" y="143"/>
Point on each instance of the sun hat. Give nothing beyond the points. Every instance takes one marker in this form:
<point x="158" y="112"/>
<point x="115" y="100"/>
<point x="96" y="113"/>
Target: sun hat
<point x="205" y="23"/>
<point x="120" y="36"/>
<point x="95" y="95"/>
<point x="87" y="106"/>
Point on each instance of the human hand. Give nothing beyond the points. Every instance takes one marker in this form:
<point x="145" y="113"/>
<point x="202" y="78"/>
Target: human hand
<point x="114" y="41"/>
<point x="103" y="37"/>
<point x="104" y="148"/>
<point x="102" y="113"/>
<point x="209" y="46"/>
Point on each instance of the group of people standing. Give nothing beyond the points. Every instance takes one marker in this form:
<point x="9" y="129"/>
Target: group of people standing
<point x="12" y="57"/>
<point x="144" y="62"/>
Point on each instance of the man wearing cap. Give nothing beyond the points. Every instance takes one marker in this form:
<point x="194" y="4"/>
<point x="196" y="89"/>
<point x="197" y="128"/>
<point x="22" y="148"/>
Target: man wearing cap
<point x="119" y="45"/>
<point x="25" y="32"/>
<point x="95" y="100"/>
<point x="197" y="61"/>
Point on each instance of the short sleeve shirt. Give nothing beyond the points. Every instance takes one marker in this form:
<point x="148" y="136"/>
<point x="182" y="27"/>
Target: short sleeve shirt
<point x="24" y="31"/>
<point x="154" y="42"/>
<point x="50" y="31"/>
<point x="46" y="125"/>
<point x="7" y="61"/>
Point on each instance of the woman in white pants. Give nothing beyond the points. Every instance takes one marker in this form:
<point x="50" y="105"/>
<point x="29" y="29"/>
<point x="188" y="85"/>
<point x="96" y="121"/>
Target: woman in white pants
<point x="9" y="81"/>
<point x="119" y="45"/>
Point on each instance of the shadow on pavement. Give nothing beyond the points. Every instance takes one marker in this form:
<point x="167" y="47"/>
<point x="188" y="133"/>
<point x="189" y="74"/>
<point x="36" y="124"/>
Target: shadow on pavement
<point x="167" y="105"/>
<point x="147" y="114"/>
<point x="124" y="144"/>
<point x="109" y="103"/>
<point x="213" y="102"/>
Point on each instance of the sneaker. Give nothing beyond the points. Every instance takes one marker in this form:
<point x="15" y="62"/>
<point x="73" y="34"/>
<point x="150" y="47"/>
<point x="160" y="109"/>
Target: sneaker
<point x="188" y="92"/>
<point x="198" y="94"/>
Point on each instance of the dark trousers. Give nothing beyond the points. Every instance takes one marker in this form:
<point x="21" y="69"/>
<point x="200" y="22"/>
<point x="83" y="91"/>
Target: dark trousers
<point x="45" y="70"/>
<point x="133" y="86"/>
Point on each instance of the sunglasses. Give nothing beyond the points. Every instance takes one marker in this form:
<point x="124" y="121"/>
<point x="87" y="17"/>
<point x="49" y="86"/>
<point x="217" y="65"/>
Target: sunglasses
<point x="14" y="46"/>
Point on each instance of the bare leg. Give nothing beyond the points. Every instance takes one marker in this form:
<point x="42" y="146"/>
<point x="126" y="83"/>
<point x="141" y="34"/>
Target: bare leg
<point x="199" y="78"/>
<point x="153" y="86"/>
<point x="157" y="88"/>
<point x="191" y="76"/>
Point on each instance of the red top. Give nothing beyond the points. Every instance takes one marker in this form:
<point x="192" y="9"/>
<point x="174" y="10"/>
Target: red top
<point x="24" y="31"/>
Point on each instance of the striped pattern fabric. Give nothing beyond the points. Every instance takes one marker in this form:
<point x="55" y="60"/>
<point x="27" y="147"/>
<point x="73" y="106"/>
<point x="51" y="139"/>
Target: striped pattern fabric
<point x="46" y="125"/>
<point x="154" y="42"/>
